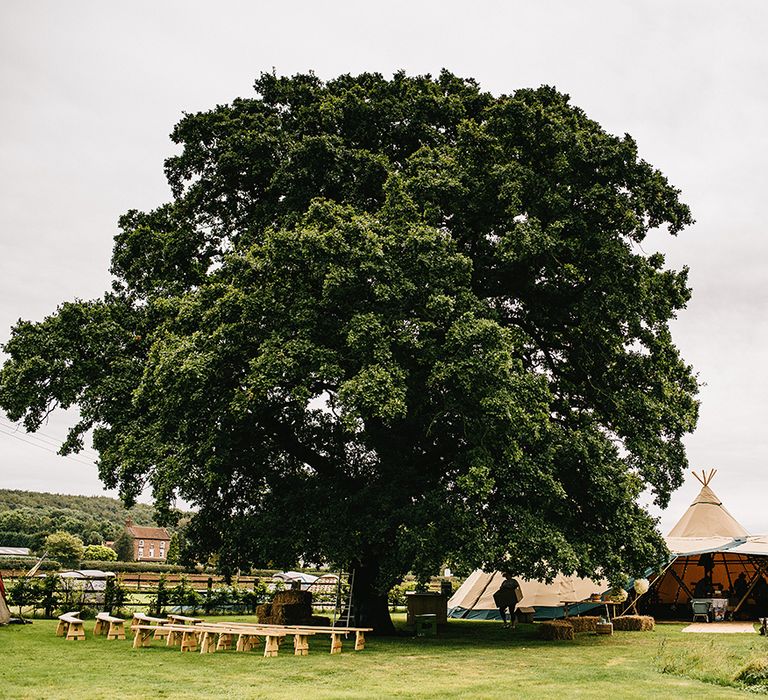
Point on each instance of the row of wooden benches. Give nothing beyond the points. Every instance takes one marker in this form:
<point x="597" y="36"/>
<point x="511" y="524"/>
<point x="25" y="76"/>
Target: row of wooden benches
<point x="189" y="633"/>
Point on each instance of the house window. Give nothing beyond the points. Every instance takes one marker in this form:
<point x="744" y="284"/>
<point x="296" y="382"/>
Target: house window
<point x="141" y="552"/>
<point x="152" y="551"/>
<point x="162" y="550"/>
<point x="141" y="543"/>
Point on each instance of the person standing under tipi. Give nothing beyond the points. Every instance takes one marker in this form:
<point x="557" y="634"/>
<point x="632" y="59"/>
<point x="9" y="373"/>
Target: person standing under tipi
<point x="507" y="598"/>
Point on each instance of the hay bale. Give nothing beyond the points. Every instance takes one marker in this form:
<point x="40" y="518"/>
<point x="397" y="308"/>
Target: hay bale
<point x="586" y="623"/>
<point x="320" y="621"/>
<point x="556" y="629"/>
<point x="263" y="611"/>
<point x="292" y="598"/>
<point x="292" y="614"/>
<point x="634" y="623"/>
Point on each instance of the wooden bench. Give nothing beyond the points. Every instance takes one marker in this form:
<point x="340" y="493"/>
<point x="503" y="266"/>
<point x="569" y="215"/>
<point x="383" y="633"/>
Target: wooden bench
<point x="249" y="634"/>
<point x="70" y="626"/>
<point x="190" y="636"/>
<point x="336" y="633"/>
<point x="184" y="620"/>
<point x="159" y="622"/>
<point x="113" y="626"/>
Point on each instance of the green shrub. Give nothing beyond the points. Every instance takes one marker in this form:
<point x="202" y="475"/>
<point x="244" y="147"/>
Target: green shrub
<point x="87" y="612"/>
<point x="115" y="595"/>
<point x="159" y="601"/>
<point x="396" y="595"/>
<point x="98" y="552"/>
<point x="50" y="594"/>
<point x="184" y="596"/>
<point x="754" y="674"/>
<point x="25" y="593"/>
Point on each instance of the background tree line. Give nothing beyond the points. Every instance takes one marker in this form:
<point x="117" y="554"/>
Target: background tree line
<point x="27" y="518"/>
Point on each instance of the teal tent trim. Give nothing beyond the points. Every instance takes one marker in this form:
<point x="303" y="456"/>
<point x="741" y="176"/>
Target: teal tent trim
<point x="542" y="612"/>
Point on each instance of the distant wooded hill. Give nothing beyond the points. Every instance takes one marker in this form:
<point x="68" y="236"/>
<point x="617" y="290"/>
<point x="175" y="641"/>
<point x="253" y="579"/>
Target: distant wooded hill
<point x="28" y="517"/>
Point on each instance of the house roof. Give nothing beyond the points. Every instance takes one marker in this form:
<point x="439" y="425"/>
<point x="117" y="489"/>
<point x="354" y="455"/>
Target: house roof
<point x="15" y="551"/>
<point x="148" y="533"/>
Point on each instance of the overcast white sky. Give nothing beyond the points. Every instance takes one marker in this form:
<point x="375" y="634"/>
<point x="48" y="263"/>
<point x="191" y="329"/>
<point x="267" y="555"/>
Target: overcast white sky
<point x="91" y="90"/>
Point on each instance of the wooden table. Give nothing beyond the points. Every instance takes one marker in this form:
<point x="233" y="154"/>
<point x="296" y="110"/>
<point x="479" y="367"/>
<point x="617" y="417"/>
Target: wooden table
<point x="607" y="603"/>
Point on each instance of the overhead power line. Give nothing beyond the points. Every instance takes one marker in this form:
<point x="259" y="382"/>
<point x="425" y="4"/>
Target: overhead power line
<point x="43" y="437"/>
<point x="42" y="447"/>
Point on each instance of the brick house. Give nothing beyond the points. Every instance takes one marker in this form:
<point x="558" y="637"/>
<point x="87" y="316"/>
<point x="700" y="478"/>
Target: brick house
<point x="149" y="543"/>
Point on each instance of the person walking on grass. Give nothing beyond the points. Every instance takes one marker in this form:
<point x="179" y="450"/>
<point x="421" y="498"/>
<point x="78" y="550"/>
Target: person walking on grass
<point x="507" y="598"/>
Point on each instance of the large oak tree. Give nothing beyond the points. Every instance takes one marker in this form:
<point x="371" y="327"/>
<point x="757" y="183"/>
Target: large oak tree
<point x="386" y="324"/>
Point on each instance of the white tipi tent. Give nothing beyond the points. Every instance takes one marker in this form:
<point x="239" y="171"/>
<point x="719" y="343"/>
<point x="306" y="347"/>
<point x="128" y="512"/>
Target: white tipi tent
<point x="707" y="538"/>
<point x="708" y="542"/>
<point x="5" y="614"/>
<point x="474" y="598"/>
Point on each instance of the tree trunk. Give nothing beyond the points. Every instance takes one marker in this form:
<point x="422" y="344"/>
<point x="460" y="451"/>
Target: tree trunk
<point x="369" y="605"/>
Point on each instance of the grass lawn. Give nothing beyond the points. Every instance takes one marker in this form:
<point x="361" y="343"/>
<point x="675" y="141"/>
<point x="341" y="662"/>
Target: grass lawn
<point x="468" y="660"/>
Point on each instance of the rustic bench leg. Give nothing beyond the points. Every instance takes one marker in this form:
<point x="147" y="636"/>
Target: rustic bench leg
<point x="116" y="630"/>
<point x="189" y="641"/>
<point x="174" y="638"/>
<point x="335" y="643"/>
<point x="207" y="643"/>
<point x="359" y="641"/>
<point x="225" y="641"/>
<point x="62" y="628"/>
<point x="75" y="632"/>
<point x="141" y="639"/>
<point x="301" y="644"/>
<point x="98" y="628"/>
<point x="161" y="632"/>
<point x="271" y="646"/>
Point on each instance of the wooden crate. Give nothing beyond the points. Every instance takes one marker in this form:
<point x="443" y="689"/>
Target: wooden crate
<point x="427" y="604"/>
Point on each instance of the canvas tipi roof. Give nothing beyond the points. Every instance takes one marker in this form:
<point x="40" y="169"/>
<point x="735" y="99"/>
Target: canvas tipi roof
<point x="707" y="517"/>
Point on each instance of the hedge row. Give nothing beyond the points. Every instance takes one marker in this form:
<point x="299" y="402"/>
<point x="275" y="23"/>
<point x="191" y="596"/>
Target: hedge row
<point x="131" y="566"/>
<point x="26" y="563"/>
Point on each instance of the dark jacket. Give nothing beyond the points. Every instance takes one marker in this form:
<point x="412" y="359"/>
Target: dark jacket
<point x="506" y="596"/>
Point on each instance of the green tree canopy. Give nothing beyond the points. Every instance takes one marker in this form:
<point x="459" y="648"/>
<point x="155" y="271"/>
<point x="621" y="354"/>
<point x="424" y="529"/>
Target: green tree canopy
<point x="123" y="547"/>
<point x="65" y="547"/>
<point x="386" y="324"/>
